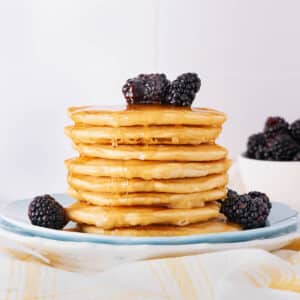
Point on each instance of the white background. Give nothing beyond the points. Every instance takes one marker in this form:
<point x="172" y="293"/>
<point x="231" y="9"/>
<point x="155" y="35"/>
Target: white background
<point x="60" y="53"/>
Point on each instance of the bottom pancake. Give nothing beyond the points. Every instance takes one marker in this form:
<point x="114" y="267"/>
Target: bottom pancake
<point x="214" y="226"/>
<point x="158" y="199"/>
<point x="115" y="217"/>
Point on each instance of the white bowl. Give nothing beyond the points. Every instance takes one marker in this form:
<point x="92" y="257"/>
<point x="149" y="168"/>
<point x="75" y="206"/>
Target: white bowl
<point x="280" y="180"/>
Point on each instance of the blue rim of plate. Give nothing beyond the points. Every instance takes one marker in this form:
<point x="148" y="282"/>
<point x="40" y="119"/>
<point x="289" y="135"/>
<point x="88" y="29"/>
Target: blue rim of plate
<point x="282" y="220"/>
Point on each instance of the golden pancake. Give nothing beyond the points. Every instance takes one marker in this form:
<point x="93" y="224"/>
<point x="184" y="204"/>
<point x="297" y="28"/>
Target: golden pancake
<point x="142" y="135"/>
<point x="144" y="169"/>
<point x="214" y="226"/>
<point x="157" y="199"/>
<point x="114" y="217"/>
<point x="145" y="115"/>
<point x="204" y="152"/>
<point x="123" y="185"/>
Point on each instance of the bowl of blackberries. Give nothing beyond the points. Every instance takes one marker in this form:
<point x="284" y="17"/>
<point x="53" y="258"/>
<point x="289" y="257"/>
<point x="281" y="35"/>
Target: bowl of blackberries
<point x="271" y="162"/>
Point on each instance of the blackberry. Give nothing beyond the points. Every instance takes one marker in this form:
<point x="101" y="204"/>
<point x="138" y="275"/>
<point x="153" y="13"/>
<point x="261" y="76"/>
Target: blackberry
<point x="257" y="147"/>
<point x="134" y="91"/>
<point x="156" y="86"/>
<point x="295" y="130"/>
<point x="275" y="126"/>
<point x="45" y="211"/>
<point x="183" y="90"/>
<point x="146" y="89"/>
<point x="232" y="194"/>
<point x="248" y="210"/>
<point x="263" y="196"/>
<point x="297" y="157"/>
<point x="283" y="147"/>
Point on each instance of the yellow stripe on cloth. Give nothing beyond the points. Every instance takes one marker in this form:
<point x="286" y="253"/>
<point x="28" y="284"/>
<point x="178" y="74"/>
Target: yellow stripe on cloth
<point x="282" y="280"/>
<point x="294" y="245"/>
<point x="10" y="279"/>
<point x="231" y="274"/>
<point x="32" y="281"/>
<point x="293" y="284"/>
<point x="208" y="284"/>
<point x="182" y="278"/>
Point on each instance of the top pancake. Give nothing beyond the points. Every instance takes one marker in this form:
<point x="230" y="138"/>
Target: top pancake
<point x="144" y="115"/>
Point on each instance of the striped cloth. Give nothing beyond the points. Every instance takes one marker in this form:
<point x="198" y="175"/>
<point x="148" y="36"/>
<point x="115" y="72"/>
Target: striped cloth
<point x="230" y="274"/>
<point x="34" y="268"/>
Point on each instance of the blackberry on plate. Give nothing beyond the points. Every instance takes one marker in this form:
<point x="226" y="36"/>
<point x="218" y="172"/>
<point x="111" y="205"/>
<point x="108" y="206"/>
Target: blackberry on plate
<point x="263" y="196"/>
<point x="248" y="210"/>
<point x="146" y="89"/>
<point x="230" y="194"/>
<point x="183" y="90"/>
<point x="283" y="147"/>
<point x="295" y="130"/>
<point x="257" y="147"/>
<point x="275" y="126"/>
<point x="45" y="211"/>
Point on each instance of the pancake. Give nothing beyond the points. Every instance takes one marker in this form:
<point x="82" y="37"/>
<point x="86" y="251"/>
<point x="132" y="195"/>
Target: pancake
<point x="144" y="169"/>
<point x="142" y="134"/>
<point x="123" y="185"/>
<point x="115" y="217"/>
<point x="214" y="226"/>
<point x="170" y="200"/>
<point x="144" y="115"/>
<point x="204" y="152"/>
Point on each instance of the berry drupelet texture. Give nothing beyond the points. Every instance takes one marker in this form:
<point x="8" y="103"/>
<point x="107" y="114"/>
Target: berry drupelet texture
<point x="134" y="91"/>
<point x="295" y="130"/>
<point x="146" y="89"/>
<point x="257" y="147"/>
<point x="232" y="194"/>
<point x="157" y="89"/>
<point x="262" y="196"/>
<point x="248" y="210"/>
<point x="45" y="211"/>
<point x="278" y="142"/>
<point x="283" y="147"/>
<point x="183" y="90"/>
<point x="156" y="86"/>
<point x="275" y="126"/>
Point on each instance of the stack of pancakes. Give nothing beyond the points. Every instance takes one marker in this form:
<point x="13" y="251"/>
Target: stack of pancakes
<point x="147" y="170"/>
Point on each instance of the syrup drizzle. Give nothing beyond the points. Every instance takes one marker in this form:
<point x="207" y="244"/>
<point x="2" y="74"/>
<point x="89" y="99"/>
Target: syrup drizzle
<point x="144" y="116"/>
